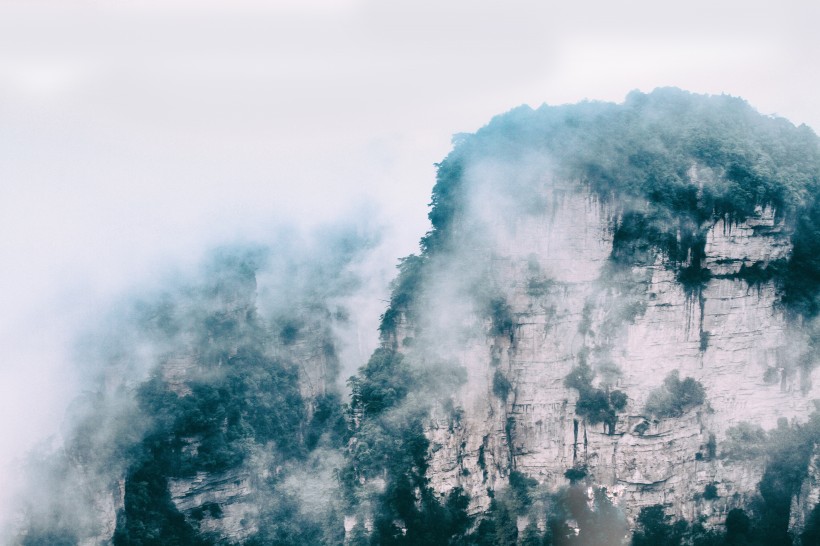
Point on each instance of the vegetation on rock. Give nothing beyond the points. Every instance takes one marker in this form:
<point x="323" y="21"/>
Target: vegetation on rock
<point x="675" y="396"/>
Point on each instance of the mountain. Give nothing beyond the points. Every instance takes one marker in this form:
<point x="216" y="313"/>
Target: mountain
<point x="609" y="336"/>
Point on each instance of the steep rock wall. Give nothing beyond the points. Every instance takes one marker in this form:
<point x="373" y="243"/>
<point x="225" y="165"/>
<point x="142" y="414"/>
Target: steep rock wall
<point x="634" y="325"/>
<point x="218" y="504"/>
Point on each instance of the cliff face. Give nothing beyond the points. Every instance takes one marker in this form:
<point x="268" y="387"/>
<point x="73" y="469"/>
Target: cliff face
<point x="635" y="324"/>
<point x="586" y="267"/>
<point x="219" y="504"/>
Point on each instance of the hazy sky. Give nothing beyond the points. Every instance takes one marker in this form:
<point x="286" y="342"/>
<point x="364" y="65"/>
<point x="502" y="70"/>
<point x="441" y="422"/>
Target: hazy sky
<point x="133" y="135"/>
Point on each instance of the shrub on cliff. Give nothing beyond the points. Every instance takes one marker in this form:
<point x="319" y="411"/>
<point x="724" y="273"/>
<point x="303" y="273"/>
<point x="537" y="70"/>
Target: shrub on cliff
<point x="382" y="383"/>
<point x="405" y="288"/>
<point x="595" y="405"/>
<point x="655" y="528"/>
<point x="675" y="397"/>
<point x="503" y="323"/>
<point x="501" y="385"/>
<point x="744" y="441"/>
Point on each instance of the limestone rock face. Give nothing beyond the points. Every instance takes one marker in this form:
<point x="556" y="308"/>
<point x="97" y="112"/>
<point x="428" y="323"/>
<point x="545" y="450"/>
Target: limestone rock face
<point x="633" y="323"/>
<point x="218" y="504"/>
<point x="757" y="240"/>
<point x="106" y="504"/>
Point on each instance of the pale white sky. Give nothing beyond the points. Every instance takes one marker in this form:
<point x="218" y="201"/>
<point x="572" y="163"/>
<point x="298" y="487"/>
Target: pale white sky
<point x="133" y="135"/>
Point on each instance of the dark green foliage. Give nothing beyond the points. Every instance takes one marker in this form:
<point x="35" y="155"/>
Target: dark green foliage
<point x="560" y="533"/>
<point x="255" y="399"/>
<point x="394" y="447"/>
<point x="579" y="378"/>
<point x="756" y="273"/>
<point x="328" y="424"/>
<point x="405" y="288"/>
<point x="700" y="536"/>
<point x="502" y="321"/>
<point x="738" y="527"/>
<point x="704" y="341"/>
<point x="638" y="235"/>
<point x="576" y="473"/>
<point x="711" y="446"/>
<point x="150" y="517"/>
<point x="744" y="441"/>
<point x="694" y="275"/>
<point x="520" y="488"/>
<point x="446" y="201"/>
<point x="382" y="383"/>
<point x="595" y="405"/>
<point x="538" y="286"/>
<point x="501" y="385"/>
<point x="426" y="520"/>
<point x="531" y="536"/>
<point x="655" y="528"/>
<point x="498" y="526"/>
<point x="710" y="492"/>
<point x="811" y="532"/>
<point x="788" y="460"/>
<point x="282" y="523"/>
<point x="605" y="525"/>
<point x="388" y="443"/>
<point x="675" y="397"/>
<point x="803" y="273"/>
<point x="289" y="331"/>
<point x="787" y="450"/>
<point x="618" y="400"/>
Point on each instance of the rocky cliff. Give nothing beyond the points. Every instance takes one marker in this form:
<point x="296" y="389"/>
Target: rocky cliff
<point x="634" y="326"/>
<point x="586" y="263"/>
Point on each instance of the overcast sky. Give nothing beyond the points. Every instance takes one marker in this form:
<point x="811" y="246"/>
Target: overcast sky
<point x="133" y="135"/>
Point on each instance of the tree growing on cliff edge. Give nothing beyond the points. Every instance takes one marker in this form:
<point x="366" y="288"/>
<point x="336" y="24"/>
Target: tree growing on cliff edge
<point x="595" y="405"/>
<point x="675" y="397"/>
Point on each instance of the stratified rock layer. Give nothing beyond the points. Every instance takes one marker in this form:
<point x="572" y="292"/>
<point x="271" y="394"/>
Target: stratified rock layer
<point x="633" y="324"/>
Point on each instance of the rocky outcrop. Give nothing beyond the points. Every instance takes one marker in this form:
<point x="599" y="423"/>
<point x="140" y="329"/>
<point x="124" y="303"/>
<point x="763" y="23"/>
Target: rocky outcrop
<point x="633" y="324"/>
<point x="105" y="505"/>
<point x="220" y="505"/>
<point x="307" y="340"/>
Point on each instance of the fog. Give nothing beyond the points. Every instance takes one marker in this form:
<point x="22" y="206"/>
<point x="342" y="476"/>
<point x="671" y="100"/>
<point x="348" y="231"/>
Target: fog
<point x="137" y="136"/>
